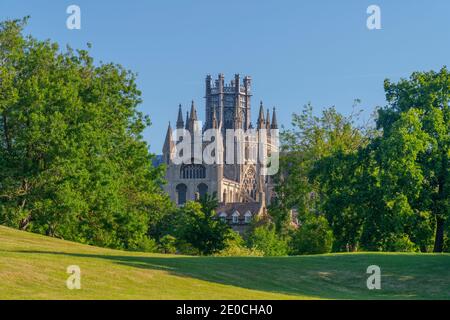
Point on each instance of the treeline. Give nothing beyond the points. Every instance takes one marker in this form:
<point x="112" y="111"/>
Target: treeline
<point x="73" y="165"/>
<point x="195" y="229"/>
<point x="381" y="186"/>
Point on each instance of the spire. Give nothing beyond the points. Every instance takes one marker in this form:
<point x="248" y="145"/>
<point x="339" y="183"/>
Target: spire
<point x="187" y="120"/>
<point x="193" y="123"/>
<point x="261" y="116"/>
<point x="274" y="119"/>
<point x="169" y="129"/>
<point x="180" y="122"/>
<point x="168" y="143"/>
<point x="261" y="111"/>
<point x="268" y="120"/>
<point x="193" y="112"/>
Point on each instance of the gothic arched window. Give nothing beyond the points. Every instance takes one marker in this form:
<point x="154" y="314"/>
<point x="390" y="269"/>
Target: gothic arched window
<point x="181" y="190"/>
<point x="193" y="171"/>
<point x="249" y="183"/>
<point x="202" y="189"/>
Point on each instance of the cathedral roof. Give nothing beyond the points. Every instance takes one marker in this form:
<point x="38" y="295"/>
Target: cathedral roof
<point x="241" y="207"/>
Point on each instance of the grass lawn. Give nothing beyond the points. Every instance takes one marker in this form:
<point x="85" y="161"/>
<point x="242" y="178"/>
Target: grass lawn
<point x="34" y="267"/>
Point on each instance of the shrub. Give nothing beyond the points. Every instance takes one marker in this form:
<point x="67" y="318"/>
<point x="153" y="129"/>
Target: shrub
<point x="187" y="248"/>
<point x="167" y="244"/>
<point x="313" y="237"/>
<point x="144" y="244"/>
<point x="447" y="237"/>
<point x="239" y="251"/>
<point x="403" y="244"/>
<point x="265" y="239"/>
<point x="447" y="244"/>
<point x="235" y="247"/>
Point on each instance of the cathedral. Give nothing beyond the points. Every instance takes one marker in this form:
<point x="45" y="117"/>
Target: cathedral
<point x="242" y="188"/>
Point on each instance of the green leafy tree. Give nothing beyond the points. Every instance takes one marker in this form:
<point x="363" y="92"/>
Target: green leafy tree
<point x="342" y="185"/>
<point x="197" y="224"/>
<point x="384" y="189"/>
<point x="314" y="236"/>
<point x="73" y="163"/>
<point x="317" y="167"/>
<point x="426" y="96"/>
<point x="391" y="212"/>
<point x="235" y="247"/>
<point x="265" y="239"/>
<point x="167" y="244"/>
<point x="369" y="196"/>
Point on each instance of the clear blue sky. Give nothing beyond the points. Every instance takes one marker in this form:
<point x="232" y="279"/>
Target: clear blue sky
<point x="296" y="51"/>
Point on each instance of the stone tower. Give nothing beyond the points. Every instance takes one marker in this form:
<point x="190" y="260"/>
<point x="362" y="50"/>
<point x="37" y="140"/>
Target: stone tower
<point x="239" y="186"/>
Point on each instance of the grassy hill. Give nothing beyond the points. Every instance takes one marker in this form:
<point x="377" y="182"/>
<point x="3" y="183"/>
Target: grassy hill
<point x="34" y="267"/>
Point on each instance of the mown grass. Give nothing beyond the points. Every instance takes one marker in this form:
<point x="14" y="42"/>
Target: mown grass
<point x="34" y="267"/>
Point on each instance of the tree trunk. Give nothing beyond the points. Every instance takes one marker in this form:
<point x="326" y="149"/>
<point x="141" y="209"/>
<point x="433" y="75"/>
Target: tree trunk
<point x="440" y="221"/>
<point x="23" y="224"/>
<point x="439" y="240"/>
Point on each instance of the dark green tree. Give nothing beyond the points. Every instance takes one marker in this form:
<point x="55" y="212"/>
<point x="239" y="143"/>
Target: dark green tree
<point x="264" y="238"/>
<point x="317" y="171"/>
<point x="73" y="163"/>
<point x="424" y="173"/>
<point x="196" y="223"/>
<point x="313" y="237"/>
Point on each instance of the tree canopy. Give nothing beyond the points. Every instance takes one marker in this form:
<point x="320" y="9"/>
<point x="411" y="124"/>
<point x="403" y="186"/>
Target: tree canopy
<point x="385" y="187"/>
<point x="73" y="163"/>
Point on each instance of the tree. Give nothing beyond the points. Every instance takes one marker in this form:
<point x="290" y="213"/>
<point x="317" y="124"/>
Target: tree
<point x="426" y="95"/>
<point x="264" y="238"/>
<point x="236" y="247"/>
<point x="168" y="244"/>
<point x="367" y="195"/>
<point x="343" y="182"/>
<point x="383" y="189"/>
<point x="391" y="215"/>
<point x="313" y="237"/>
<point x="197" y="224"/>
<point x="317" y="170"/>
<point x="73" y="163"/>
